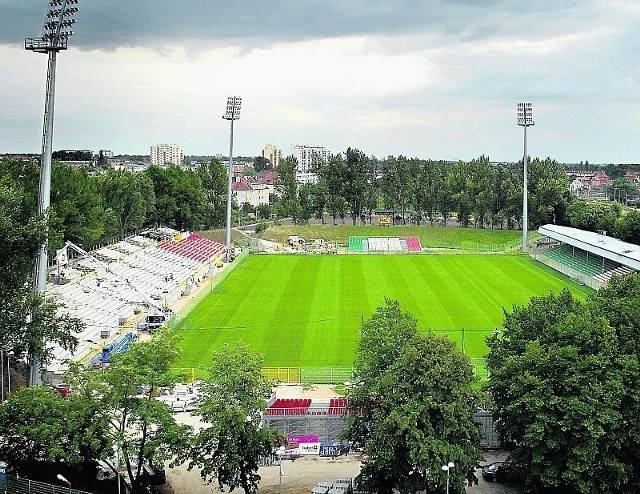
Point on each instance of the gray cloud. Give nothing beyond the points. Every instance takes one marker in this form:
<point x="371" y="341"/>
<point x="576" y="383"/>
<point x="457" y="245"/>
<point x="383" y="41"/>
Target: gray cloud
<point x="113" y="23"/>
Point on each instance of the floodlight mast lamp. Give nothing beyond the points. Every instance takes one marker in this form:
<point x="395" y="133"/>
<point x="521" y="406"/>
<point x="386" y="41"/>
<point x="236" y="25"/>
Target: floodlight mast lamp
<point x="525" y="119"/>
<point x="55" y="36"/>
<point x="233" y="113"/>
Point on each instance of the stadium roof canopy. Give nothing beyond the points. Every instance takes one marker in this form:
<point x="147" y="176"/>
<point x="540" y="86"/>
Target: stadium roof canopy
<point x="610" y="248"/>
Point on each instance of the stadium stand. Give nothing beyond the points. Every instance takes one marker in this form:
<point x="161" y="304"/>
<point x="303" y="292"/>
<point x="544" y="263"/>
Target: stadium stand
<point x="413" y="244"/>
<point x="582" y="261"/>
<point x="289" y="406"/>
<point x="110" y="289"/>
<point x="356" y="244"/>
<point x="384" y="244"/>
<point x="195" y="247"/>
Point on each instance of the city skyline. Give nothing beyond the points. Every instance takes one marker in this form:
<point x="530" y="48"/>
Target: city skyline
<point x="436" y="79"/>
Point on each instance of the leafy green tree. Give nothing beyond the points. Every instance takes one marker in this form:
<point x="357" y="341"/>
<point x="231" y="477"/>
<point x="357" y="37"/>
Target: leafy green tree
<point x="229" y="447"/>
<point x="548" y="191"/>
<point x="331" y="182"/>
<point x="481" y="178"/>
<point x="593" y="216"/>
<point x="287" y="189"/>
<point x="180" y="200"/>
<point x="30" y="324"/>
<point x="39" y="425"/>
<point x="319" y="199"/>
<point x="123" y="199"/>
<point x="412" y="409"/>
<point x="77" y="212"/>
<point x="623" y="189"/>
<point x="559" y="380"/>
<point x="305" y="199"/>
<point x="355" y="181"/>
<point x="261" y="163"/>
<point x="27" y="320"/>
<point x="460" y="186"/>
<point x="214" y="184"/>
<point x="627" y="227"/>
<point x="141" y="428"/>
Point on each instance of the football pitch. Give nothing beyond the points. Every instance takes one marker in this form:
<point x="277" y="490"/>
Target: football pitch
<point x="302" y="310"/>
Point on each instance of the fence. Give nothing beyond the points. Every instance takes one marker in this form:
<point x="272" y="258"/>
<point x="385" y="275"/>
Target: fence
<point x="16" y="485"/>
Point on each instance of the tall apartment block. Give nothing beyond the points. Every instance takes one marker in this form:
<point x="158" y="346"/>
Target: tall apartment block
<point x="306" y="156"/>
<point x="163" y="154"/>
<point x="273" y="154"/>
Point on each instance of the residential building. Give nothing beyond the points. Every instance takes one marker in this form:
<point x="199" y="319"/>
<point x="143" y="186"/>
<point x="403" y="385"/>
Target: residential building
<point x="163" y="154"/>
<point x="273" y="154"/>
<point x="306" y="156"/>
<point x="249" y="191"/>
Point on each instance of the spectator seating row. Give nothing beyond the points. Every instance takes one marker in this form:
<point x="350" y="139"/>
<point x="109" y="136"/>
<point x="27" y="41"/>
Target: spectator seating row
<point x="413" y="244"/>
<point x="106" y="294"/>
<point x="384" y="244"/>
<point x="195" y="247"/>
<point x="581" y="261"/>
<point x="289" y="406"/>
<point x="620" y="271"/>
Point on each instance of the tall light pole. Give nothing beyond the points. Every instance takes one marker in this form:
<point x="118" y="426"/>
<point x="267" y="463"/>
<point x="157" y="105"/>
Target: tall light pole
<point x="233" y="113"/>
<point x="525" y="119"/>
<point x="447" y="468"/>
<point x="55" y="35"/>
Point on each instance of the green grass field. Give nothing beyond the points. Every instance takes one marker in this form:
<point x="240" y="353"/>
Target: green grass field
<point x="307" y="310"/>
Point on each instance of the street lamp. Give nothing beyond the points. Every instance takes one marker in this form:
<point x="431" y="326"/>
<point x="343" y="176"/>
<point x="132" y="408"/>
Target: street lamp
<point x="61" y="478"/>
<point x="525" y="119"/>
<point x="280" y="454"/>
<point x="55" y="35"/>
<point x="233" y="113"/>
<point x="447" y="468"/>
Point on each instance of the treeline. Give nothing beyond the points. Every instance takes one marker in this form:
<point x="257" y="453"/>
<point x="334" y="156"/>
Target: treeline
<point x="89" y="209"/>
<point x="419" y="191"/>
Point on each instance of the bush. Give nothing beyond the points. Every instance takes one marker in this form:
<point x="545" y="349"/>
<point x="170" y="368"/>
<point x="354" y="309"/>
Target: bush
<point x="261" y="226"/>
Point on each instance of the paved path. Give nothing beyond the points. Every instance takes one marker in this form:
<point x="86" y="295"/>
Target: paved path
<point x="485" y="487"/>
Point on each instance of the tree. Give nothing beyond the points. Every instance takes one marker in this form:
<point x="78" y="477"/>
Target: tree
<point x="593" y="216"/>
<point x="38" y="425"/>
<point x="305" y="199"/>
<point x="180" y="199"/>
<point x="261" y="163"/>
<point x="560" y="380"/>
<point x="627" y="227"/>
<point x="412" y="409"/>
<point x="214" y="184"/>
<point x="77" y="212"/>
<point x="548" y="191"/>
<point x="228" y="449"/>
<point x="355" y="181"/>
<point x="286" y="187"/>
<point x="141" y="428"/>
<point x="27" y="320"/>
<point x="123" y="199"/>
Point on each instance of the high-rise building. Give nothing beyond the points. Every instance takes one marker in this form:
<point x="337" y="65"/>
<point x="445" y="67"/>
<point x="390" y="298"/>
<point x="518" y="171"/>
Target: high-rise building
<point x="306" y="155"/>
<point x="273" y="154"/>
<point x="163" y="154"/>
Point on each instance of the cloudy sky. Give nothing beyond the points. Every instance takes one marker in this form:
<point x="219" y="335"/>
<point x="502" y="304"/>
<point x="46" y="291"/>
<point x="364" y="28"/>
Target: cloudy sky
<point x="426" y="78"/>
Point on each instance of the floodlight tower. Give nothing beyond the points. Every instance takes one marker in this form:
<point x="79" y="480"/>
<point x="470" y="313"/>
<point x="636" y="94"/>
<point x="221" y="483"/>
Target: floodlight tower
<point x="525" y="119"/>
<point x="55" y="35"/>
<point x="233" y="113"/>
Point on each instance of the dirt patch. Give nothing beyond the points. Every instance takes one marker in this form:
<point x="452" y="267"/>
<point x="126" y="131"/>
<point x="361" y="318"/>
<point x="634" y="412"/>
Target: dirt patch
<point x="299" y="476"/>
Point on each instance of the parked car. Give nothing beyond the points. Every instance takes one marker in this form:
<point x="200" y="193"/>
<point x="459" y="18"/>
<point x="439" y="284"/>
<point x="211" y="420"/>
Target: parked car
<point x="494" y="472"/>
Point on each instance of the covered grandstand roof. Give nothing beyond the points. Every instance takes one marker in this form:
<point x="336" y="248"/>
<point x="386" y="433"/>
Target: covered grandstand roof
<point x="610" y="248"/>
